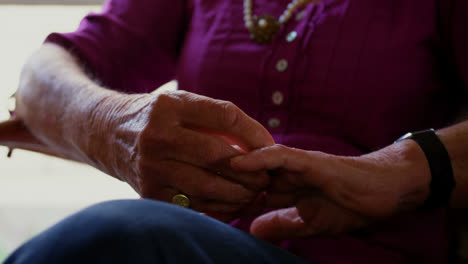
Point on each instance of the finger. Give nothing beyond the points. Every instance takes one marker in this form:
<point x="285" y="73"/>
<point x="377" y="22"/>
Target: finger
<point x="202" y="150"/>
<point x="201" y="205"/>
<point x="275" y="199"/>
<point x="277" y="225"/>
<point x="213" y="153"/>
<point x="304" y="167"/>
<point x="282" y="181"/>
<point x="280" y="200"/>
<point x="255" y="207"/>
<point x="312" y="216"/>
<point x="194" y="181"/>
<point x="270" y="158"/>
<point x="232" y="142"/>
<point x="224" y="118"/>
<point x="325" y="217"/>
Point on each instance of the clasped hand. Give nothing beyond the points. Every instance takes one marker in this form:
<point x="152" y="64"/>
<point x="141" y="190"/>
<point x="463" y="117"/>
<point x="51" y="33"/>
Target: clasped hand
<point x="180" y="142"/>
<point x="323" y="194"/>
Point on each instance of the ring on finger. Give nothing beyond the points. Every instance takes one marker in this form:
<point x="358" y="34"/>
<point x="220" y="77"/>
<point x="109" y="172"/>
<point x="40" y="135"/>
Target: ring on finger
<point x="181" y="200"/>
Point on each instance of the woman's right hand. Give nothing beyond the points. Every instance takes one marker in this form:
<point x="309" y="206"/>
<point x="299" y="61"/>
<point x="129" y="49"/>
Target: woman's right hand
<point x="180" y="142"/>
<point x="160" y="144"/>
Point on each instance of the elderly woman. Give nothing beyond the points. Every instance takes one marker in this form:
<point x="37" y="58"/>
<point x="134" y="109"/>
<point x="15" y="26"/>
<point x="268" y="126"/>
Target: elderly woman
<point x="336" y="82"/>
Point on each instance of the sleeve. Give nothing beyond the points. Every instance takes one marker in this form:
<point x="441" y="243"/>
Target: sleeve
<point x="460" y="39"/>
<point x="131" y="45"/>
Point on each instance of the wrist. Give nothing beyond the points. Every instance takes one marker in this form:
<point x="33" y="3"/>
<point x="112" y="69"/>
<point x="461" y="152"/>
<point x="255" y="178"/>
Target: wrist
<point x="415" y="173"/>
<point x="405" y="171"/>
<point x="442" y="178"/>
<point x="110" y="131"/>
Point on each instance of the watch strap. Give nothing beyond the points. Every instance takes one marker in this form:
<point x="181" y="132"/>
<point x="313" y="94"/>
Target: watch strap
<point x="442" y="180"/>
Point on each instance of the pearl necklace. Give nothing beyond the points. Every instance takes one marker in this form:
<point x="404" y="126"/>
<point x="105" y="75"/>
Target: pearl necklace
<point x="264" y="28"/>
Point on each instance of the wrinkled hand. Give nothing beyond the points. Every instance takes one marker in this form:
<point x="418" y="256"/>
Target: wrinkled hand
<point x="180" y="142"/>
<point x="328" y="194"/>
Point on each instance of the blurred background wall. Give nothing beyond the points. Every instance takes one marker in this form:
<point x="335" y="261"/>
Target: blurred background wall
<point x="36" y="190"/>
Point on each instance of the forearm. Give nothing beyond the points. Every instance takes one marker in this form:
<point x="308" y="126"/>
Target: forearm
<point x="416" y="176"/>
<point x="63" y="107"/>
<point x="455" y="139"/>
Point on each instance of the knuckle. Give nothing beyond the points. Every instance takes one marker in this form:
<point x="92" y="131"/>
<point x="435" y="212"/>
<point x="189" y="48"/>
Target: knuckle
<point x="164" y="137"/>
<point x="164" y="98"/>
<point x="154" y="143"/>
<point x="164" y="101"/>
<point x="160" y="102"/>
<point x="230" y="114"/>
<point x="279" y="147"/>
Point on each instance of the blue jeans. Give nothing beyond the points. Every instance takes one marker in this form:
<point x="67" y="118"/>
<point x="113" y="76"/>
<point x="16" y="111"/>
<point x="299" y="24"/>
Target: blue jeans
<point x="145" y="231"/>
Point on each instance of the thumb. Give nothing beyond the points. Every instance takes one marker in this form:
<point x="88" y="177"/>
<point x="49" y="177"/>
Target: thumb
<point x="277" y="225"/>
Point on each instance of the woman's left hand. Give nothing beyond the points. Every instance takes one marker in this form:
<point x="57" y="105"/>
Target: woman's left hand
<point x="327" y="194"/>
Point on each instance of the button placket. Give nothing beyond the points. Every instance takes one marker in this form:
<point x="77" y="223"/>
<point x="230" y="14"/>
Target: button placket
<point x="281" y="69"/>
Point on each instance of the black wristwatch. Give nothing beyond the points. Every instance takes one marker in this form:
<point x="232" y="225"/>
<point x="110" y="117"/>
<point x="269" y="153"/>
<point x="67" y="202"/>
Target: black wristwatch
<point x="442" y="182"/>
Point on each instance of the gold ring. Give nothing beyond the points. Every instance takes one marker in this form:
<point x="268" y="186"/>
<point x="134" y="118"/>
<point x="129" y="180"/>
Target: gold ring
<point x="181" y="200"/>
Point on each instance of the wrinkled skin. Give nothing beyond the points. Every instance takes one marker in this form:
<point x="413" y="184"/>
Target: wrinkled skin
<point x="324" y="194"/>
<point x="176" y="142"/>
<point x="161" y="144"/>
<point x="180" y="142"/>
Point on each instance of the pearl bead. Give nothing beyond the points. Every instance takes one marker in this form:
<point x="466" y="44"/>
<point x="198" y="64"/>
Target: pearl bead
<point x="281" y="19"/>
<point x="262" y="23"/>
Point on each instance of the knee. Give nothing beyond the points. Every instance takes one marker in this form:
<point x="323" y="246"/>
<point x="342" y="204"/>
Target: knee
<point x="110" y="231"/>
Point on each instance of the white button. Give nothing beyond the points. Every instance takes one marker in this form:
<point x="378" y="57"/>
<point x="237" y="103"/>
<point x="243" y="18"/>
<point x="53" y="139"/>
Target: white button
<point x="274" y="122"/>
<point x="291" y="36"/>
<point x="277" y="98"/>
<point x="300" y="15"/>
<point x="282" y="65"/>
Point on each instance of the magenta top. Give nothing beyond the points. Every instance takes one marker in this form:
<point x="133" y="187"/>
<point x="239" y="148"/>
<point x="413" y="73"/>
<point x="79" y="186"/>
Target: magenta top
<point x="354" y="76"/>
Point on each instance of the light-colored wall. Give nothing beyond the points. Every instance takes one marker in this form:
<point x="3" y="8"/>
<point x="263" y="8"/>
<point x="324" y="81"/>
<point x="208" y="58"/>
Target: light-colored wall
<point x="36" y="190"/>
<point x="51" y="2"/>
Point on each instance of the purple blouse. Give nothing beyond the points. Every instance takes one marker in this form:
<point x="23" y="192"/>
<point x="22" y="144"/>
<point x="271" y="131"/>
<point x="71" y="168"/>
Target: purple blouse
<point x="354" y="76"/>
